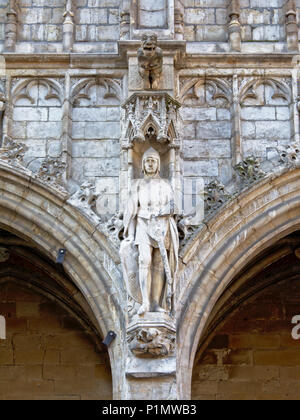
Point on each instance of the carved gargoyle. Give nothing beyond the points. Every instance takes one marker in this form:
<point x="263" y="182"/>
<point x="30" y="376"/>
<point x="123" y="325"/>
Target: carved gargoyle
<point x="150" y="60"/>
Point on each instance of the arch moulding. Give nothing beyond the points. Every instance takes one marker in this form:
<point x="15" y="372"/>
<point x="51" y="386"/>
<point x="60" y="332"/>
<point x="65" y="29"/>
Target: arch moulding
<point x="41" y="214"/>
<point x="228" y="241"/>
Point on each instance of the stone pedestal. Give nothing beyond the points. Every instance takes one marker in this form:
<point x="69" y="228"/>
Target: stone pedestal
<point x="152" y="355"/>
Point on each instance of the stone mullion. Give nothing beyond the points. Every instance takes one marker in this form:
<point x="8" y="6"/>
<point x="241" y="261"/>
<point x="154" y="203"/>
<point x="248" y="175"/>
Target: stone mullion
<point x="234" y="26"/>
<point x="68" y="27"/>
<point x="125" y="20"/>
<point x="67" y="128"/>
<point x="294" y="108"/>
<point x="11" y="28"/>
<point x="237" y="153"/>
<point x="8" y="113"/>
<point x="292" y="37"/>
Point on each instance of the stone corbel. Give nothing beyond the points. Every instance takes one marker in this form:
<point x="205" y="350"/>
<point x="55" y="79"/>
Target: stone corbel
<point x="11" y="28"/>
<point x="291" y="26"/>
<point x="234" y="26"/>
<point x="68" y="27"/>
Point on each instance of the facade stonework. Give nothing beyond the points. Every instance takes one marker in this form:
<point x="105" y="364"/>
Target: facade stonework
<point x="149" y="164"/>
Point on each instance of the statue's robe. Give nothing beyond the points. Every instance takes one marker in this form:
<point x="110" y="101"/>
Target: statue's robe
<point x="148" y="197"/>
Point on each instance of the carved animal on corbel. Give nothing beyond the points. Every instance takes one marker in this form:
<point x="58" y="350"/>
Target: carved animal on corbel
<point x="150" y="61"/>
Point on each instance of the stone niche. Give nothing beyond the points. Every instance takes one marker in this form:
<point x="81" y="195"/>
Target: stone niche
<point x="151" y="120"/>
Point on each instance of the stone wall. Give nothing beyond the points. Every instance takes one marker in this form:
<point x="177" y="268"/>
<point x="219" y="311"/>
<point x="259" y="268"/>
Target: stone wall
<point x="47" y="354"/>
<point x="253" y="355"/>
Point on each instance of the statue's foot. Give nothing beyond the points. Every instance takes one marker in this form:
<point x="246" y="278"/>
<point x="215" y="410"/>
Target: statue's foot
<point x="157" y="308"/>
<point x="143" y="309"/>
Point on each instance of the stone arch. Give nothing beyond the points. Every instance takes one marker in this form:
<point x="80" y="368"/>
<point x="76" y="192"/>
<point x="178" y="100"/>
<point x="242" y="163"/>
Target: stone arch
<point x="222" y="247"/>
<point x="37" y="212"/>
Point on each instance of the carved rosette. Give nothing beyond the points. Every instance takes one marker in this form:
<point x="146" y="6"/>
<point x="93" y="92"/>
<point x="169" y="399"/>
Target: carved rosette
<point x="150" y="115"/>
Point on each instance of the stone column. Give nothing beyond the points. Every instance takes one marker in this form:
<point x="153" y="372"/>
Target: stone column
<point x="234" y="26"/>
<point x="67" y="128"/>
<point x="68" y="28"/>
<point x="125" y="20"/>
<point x="11" y="27"/>
<point x="291" y="26"/>
<point x="179" y="20"/>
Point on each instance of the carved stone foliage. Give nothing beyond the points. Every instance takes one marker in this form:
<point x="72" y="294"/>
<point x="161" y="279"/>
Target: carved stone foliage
<point x="23" y="89"/>
<point x="149" y="116"/>
<point x="52" y="171"/>
<point x="205" y="91"/>
<point x="252" y="91"/>
<point x="4" y="254"/>
<point x="13" y="152"/>
<point x="85" y="200"/>
<point x="186" y="229"/>
<point x="214" y="196"/>
<point x="249" y="170"/>
<point x="150" y="61"/>
<point x="289" y="155"/>
<point x="83" y="94"/>
<point x="151" y="342"/>
<point x="114" y="229"/>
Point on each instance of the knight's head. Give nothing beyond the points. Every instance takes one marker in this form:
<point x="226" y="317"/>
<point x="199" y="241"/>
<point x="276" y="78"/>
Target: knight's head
<point x="151" y="162"/>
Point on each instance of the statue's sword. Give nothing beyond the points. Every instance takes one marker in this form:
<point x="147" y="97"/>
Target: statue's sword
<point x="157" y="234"/>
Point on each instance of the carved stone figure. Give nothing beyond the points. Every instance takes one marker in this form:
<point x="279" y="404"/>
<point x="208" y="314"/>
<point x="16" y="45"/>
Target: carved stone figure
<point x="151" y="342"/>
<point x="85" y="200"/>
<point x="149" y="252"/>
<point x="150" y="59"/>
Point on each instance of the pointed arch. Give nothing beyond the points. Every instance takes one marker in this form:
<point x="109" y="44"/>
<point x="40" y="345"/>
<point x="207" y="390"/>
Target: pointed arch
<point x="42" y="214"/>
<point x="243" y="228"/>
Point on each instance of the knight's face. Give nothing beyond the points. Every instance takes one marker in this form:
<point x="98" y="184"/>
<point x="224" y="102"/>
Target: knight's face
<point x="149" y="44"/>
<point x="151" y="165"/>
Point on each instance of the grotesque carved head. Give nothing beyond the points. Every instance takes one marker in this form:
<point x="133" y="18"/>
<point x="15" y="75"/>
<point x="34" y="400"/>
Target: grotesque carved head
<point x="149" y="44"/>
